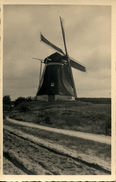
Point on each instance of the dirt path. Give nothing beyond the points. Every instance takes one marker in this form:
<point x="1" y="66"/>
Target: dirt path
<point x="10" y="166"/>
<point x="45" y="158"/>
<point x="87" y="136"/>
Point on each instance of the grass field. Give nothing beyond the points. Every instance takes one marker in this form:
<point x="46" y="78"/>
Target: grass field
<point x="74" y="115"/>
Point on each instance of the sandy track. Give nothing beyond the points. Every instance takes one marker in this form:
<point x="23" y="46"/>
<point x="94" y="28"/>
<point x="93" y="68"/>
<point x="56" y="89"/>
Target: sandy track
<point x="11" y="167"/>
<point x="87" y="136"/>
<point x="90" y="161"/>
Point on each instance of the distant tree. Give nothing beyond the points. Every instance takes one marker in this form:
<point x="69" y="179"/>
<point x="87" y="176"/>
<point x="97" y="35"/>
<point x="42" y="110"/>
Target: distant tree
<point x="19" y="100"/>
<point x="95" y="100"/>
<point x="28" y="99"/>
<point x="7" y="101"/>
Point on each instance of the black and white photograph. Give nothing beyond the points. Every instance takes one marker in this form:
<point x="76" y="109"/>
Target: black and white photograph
<point x="57" y="91"/>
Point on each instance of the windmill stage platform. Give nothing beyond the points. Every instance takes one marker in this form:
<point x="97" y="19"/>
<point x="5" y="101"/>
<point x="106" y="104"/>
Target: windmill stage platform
<point x="51" y="98"/>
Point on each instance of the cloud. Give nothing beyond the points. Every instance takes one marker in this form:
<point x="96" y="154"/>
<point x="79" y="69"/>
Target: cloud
<point x="88" y="37"/>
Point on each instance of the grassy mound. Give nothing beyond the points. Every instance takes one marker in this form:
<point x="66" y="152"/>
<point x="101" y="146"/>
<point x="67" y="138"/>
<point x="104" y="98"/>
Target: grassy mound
<point x="73" y="115"/>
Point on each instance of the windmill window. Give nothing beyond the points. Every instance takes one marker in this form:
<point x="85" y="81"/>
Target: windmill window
<point x="52" y="84"/>
<point x="64" y="61"/>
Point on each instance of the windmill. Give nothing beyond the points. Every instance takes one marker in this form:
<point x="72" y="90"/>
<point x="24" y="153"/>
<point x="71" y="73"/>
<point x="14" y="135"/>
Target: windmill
<point x="57" y="79"/>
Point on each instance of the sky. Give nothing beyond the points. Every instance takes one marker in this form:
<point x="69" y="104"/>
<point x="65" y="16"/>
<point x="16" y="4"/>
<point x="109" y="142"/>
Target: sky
<point x="88" y="39"/>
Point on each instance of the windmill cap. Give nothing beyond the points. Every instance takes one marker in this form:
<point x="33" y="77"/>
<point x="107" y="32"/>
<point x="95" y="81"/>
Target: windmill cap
<point x="56" y="57"/>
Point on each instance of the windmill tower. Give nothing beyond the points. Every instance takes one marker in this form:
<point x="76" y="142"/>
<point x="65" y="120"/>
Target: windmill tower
<point x="57" y="79"/>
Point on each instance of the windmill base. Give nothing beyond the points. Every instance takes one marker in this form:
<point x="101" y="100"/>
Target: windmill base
<point x="52" y="98"/>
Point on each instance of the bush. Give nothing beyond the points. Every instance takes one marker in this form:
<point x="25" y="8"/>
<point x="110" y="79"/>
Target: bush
<point x="23" y="108"/>
<point x="108" y="127"/>
<point x="19" y="100"/>
<point x="28" y="99"/>
<point x="47" y="120"/>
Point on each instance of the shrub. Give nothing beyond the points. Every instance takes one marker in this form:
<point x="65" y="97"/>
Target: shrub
<point x="23" y="108"/>
<point x="19" y="100"/>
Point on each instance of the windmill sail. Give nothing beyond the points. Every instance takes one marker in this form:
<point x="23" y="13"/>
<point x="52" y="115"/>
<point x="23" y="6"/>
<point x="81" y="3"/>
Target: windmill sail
<point x="42" y="38"/>
<point x="63" y="35"/>
<point x="77" y="65"/>
<point x="70" y="70"/>
<point x="73" y="63"/>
